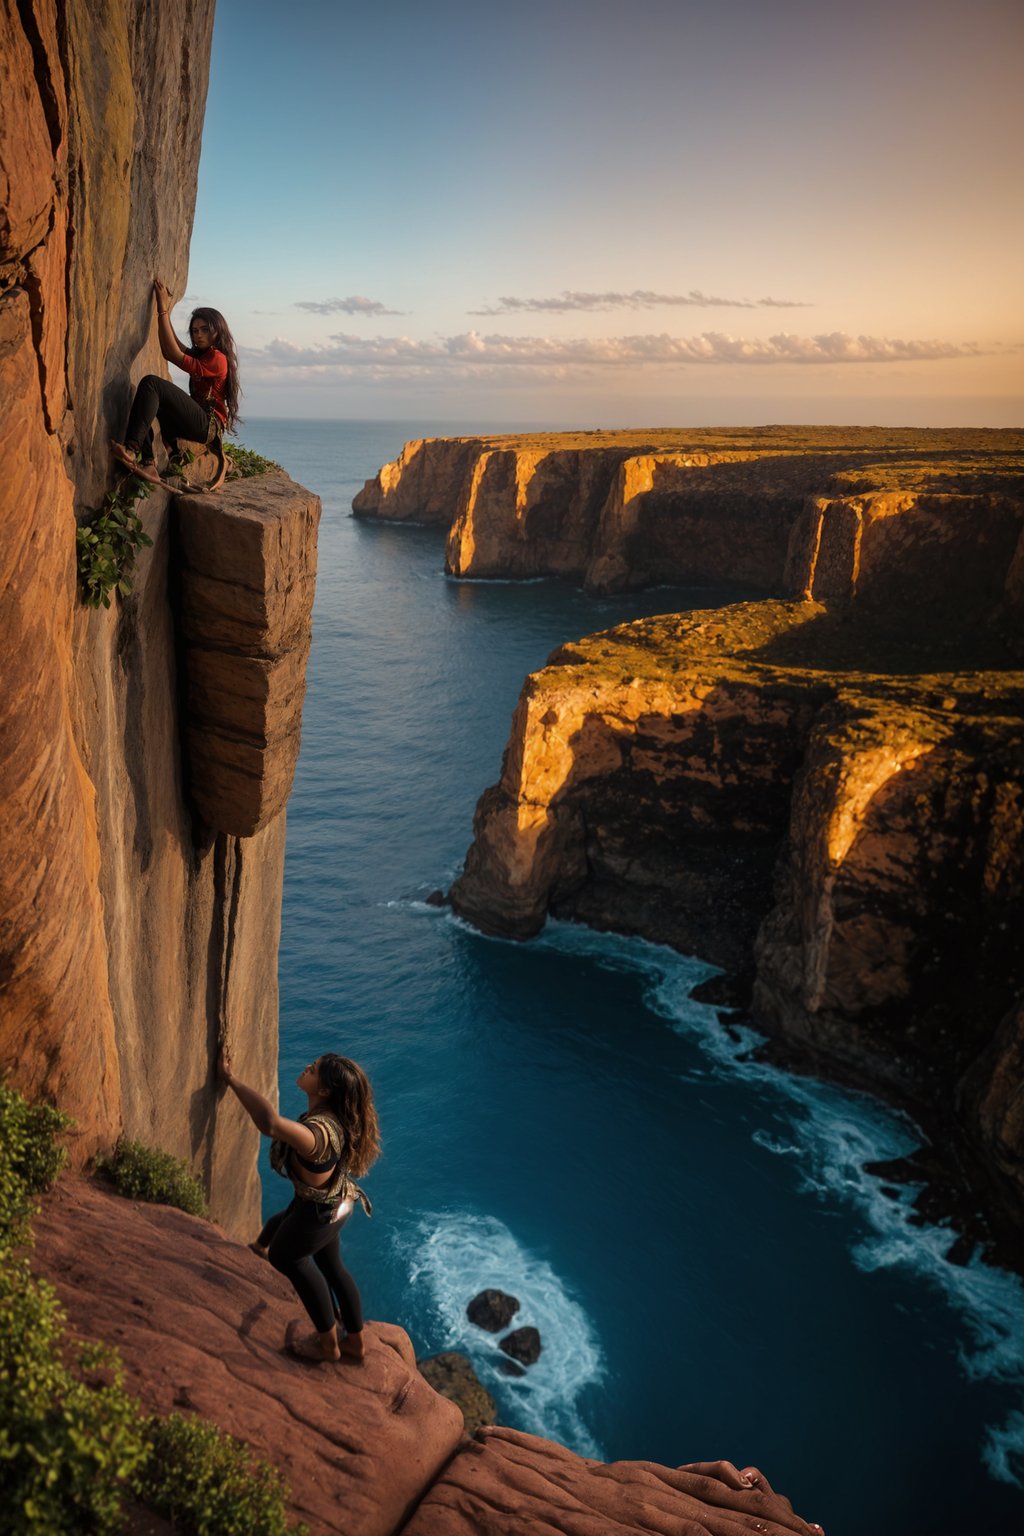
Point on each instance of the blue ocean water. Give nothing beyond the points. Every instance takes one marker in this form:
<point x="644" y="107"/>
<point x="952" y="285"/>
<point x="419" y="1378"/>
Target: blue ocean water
<point x="712" y="1272"/>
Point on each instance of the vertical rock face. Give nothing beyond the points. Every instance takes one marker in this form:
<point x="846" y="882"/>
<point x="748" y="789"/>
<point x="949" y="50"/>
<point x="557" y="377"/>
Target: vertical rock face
<point x="910" y="550"/>
<point x="422" y="484"/>
<point x="133" y="932"/>
<point x="529" y="512"/>
<point x="638" y="800"/>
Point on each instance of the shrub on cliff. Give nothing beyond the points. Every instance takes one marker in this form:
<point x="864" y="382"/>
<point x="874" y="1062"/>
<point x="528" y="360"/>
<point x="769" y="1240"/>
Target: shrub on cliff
<point x="30" y="1160"/>
<point x="73" y="1443"/>
<point x="108" y="545"/>
<point x="144" y="1173"/>
<point x="207" y="1483"/>
<point x="244" y="463"/>
<point x="69" y="1438"/>
<point x="69" y="1433"/>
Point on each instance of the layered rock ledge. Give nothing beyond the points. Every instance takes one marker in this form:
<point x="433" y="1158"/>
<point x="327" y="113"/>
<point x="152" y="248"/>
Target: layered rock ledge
<point x="367" y="1450"/>
<point x="780" y="509"/>
<point x="248" y="576"/>
<point x="830" y="809"/>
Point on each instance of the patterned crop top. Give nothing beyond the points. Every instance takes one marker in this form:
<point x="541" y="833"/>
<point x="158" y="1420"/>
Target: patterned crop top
<point x="326" y="1155"/>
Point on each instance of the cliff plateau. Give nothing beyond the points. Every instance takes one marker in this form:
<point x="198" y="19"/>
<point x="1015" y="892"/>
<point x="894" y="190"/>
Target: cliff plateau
<point x="146" y="751"/>
<point x="368" y="1449"/>
<point x="769" y="508"/>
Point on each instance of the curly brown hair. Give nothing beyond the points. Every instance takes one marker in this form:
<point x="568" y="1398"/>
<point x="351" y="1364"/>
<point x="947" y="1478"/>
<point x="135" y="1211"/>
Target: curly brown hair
<point x="225" y="342"/>
<point x="350" y="1100"/>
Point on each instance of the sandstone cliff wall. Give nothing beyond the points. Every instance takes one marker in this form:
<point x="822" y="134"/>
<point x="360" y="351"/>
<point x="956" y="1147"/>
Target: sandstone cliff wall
<point x="138" y="923"/>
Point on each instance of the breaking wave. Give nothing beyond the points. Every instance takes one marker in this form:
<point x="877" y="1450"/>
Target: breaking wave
<point x="458" y="1254"/>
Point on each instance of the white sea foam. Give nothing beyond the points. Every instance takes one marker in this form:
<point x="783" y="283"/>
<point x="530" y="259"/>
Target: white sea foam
<point x="831" y="1134"/>
<point x="458" y="1254"/>
<point x="1003" y="1450"/>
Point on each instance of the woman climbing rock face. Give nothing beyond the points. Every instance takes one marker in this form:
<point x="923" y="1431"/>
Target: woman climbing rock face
<point x="331" y="1144"/>
<point x="208" y="409"/>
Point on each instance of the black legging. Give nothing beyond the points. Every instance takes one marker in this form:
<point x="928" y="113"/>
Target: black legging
<point x="178" y="414"/>
<point x="305" y="1247"/>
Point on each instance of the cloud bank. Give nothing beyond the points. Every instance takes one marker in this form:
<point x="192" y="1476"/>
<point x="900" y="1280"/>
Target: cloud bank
<point x="355" y="304"/>
<point x="471" y="354"/>
<point x="640" y="298"/>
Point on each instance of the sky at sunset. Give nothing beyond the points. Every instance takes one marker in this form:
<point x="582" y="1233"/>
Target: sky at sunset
<point x="618" y="212"/>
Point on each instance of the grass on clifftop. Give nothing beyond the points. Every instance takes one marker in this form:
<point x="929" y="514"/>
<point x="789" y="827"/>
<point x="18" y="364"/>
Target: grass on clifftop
<point x="245" y="463"/>
<point x="77" y="1450"/>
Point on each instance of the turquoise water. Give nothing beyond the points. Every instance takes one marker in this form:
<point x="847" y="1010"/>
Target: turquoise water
<point x="711" y="1271"/>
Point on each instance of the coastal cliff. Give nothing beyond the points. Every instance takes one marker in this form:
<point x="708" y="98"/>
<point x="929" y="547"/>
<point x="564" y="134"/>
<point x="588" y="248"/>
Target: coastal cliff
<point x="147" y="750"/>
<point x="624" y="510"/>
<point x="829" y="808"/>
<point x="822" y="796"/>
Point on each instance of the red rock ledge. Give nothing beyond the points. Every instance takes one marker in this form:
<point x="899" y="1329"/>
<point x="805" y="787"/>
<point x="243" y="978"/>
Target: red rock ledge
<point x="366" y="1450"/>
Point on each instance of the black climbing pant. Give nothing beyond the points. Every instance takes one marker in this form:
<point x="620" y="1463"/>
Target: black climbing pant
<point x="304" y="1246"/>
<point x="178" y="414"/>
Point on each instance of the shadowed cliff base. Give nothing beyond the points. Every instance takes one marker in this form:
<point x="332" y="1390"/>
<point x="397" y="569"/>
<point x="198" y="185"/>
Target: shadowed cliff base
<point x="366" y="1449"/>
<point x="824" y="806"/>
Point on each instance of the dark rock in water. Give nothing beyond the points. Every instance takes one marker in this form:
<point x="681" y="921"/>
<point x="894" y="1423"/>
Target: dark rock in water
<point x="510" y="1368"/>
<point x="493" y="1310"/>
<point x="453" y="1376"/>
<point x="437" y="899"/>
<point x="726" y="990"/>
<point x="962" y="1251"/>
<point x="523" y="1344"/>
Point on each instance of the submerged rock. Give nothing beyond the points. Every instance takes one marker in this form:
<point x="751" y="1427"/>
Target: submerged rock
<point x="452" y="1375"/>
<point x="492" y="1309"/>
<point x="523" y="1344"/>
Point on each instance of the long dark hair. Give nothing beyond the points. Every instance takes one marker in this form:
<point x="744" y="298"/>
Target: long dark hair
<point x="224" y="342"/>
<point x="350" y="1100"/>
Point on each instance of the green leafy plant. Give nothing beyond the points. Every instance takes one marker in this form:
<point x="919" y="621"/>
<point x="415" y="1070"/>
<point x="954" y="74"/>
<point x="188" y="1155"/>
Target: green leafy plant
<point x="109" y="544"/>
<point x="245" y="463"/>
<point x="209" y="1484"/>
<point x="144" y="1173"/>
<point x="74" y="1445"/>
<point x="30" y="1160"/>
<point x="70" y="1440"/>
<point x="69" y="1436"/>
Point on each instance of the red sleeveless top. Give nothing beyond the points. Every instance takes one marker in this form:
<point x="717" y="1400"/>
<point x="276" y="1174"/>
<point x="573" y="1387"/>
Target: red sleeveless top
<point x="208" y="378"/>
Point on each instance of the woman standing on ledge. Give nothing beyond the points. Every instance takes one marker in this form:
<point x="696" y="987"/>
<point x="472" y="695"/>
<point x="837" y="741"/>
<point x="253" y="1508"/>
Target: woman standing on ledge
<point x="334" y="1142"/>
<point x="209" y="408"/>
